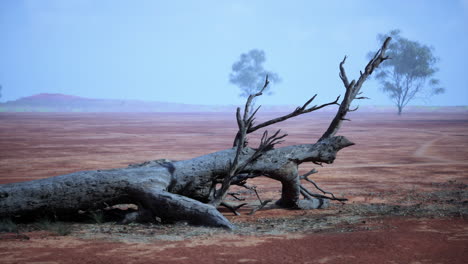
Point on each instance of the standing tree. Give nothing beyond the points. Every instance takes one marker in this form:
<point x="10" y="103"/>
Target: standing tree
<point x="189" y="189"/>
<point x="408" y="71"/>
<point x="248" y="73"/>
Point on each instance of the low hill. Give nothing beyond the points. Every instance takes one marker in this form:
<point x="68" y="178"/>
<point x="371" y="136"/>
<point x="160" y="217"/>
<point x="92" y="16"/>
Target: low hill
<point x="46" y="102"/>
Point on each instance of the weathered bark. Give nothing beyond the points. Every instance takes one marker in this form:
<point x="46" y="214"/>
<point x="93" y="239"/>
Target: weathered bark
<point x="181" y="190"/>
<point x="171" y="190"/>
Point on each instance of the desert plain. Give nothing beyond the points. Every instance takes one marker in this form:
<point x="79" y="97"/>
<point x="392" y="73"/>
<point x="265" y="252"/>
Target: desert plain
<point x="406" y="180"/>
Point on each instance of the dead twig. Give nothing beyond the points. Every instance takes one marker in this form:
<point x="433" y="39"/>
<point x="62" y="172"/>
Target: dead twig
<point x="233" y="208"/>
<point x="308" y="194"/>
<point x="259" y="207"/>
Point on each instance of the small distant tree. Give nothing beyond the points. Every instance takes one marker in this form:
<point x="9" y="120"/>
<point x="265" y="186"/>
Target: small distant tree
<point x="249" y="75"/>
<point x="408" y="72"/>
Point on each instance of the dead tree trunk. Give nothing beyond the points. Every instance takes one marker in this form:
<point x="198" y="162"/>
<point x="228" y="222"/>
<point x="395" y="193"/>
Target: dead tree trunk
<point x="186" y="190"/>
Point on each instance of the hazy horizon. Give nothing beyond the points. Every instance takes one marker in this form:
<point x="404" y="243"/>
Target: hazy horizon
<point x="49" y="102"/>
<point x="182" y="52"/>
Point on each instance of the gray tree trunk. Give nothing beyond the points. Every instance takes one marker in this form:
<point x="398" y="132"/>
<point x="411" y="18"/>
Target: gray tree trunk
<point x="168" y="190"/>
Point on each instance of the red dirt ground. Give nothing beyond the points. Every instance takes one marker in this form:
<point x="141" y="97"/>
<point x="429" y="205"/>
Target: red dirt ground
<point x="395" y="158"/>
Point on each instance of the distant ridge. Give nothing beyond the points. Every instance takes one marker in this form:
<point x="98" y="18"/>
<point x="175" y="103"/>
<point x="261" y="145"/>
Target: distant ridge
<point x="47" y="102"/>
<point x="54" y="102"/>
<point x="53" y="96"/>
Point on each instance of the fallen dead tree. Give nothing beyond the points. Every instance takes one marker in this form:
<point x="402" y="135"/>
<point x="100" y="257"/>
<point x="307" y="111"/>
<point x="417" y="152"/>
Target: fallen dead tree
<point x="191" y="190"/>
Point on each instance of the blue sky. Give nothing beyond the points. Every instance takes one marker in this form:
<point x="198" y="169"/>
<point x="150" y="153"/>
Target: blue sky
<point x="182" y="51"/>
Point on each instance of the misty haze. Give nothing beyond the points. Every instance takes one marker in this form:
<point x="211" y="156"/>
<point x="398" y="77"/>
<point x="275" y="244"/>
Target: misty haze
<point x="233" y="131"/>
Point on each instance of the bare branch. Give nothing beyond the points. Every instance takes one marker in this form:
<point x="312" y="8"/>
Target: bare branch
<point x="353" y="89"/>
<point x="313" y="171"/>
<point x="343" y="76"/>
<point x="306" y="177"/>
<point x="353" y="110"/>
<point x="262" y="203"/>
<point x="252" y="117"/>
<point x="298" y="111"/>
<point x="259" y="207"/>
<point x="308" y="195"/>
<point x="233" y="208"/>
<point x="308" y="102"/>
<point x="268" y="143"/>
<point x="252" y="96"/>
<point x="246" y="122"/>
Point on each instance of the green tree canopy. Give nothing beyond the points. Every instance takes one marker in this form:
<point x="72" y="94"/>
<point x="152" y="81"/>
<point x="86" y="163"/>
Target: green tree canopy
<point x="409" y="70"/>
<point x="248" y="73"/>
